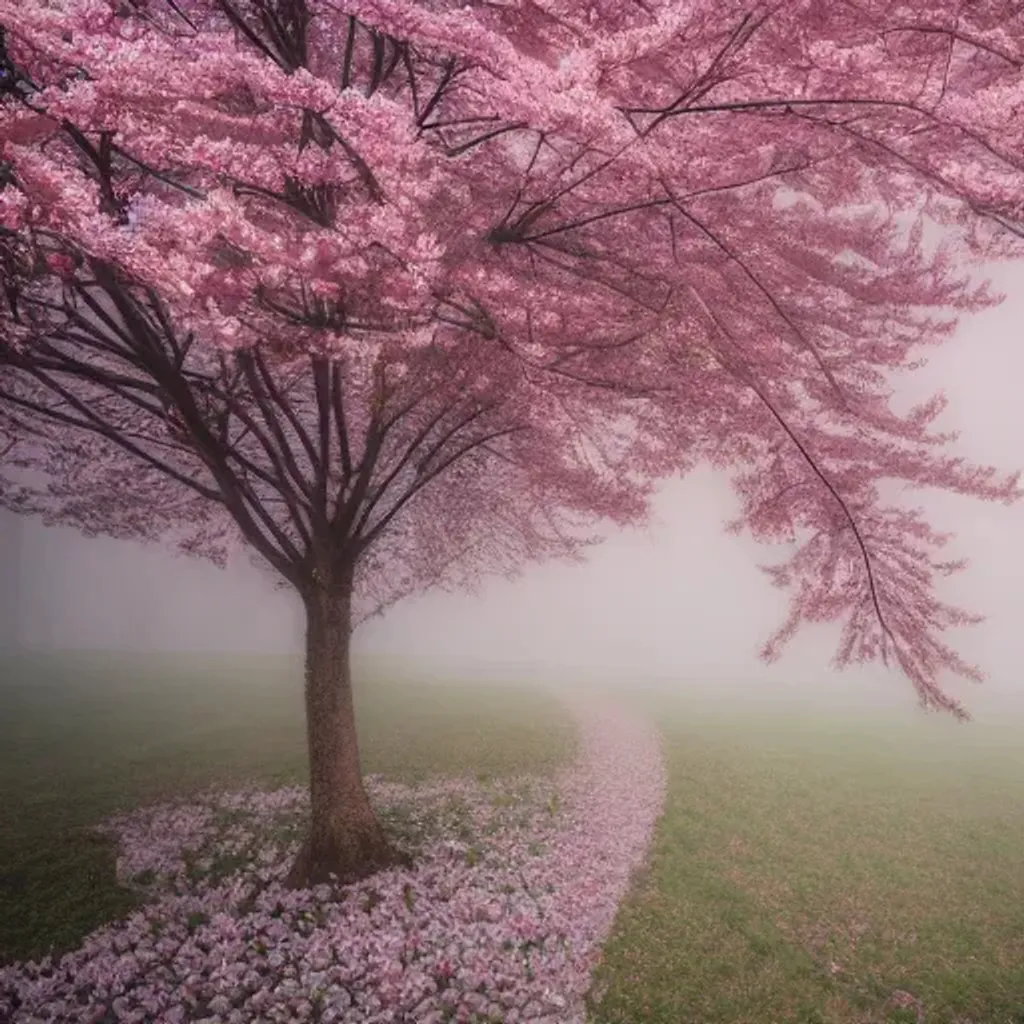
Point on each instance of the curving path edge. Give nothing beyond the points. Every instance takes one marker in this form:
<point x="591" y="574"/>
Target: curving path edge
<point x="615" y="794"/>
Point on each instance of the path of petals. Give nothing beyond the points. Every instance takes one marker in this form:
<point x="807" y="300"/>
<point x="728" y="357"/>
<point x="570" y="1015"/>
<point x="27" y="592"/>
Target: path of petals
<point x="514" y="888"/>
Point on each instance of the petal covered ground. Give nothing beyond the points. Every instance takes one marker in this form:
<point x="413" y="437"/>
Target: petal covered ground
<point x="514" y="888"/>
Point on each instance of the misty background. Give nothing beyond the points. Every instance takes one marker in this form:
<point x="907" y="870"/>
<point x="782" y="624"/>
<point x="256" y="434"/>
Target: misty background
<point x="680" y="602"/>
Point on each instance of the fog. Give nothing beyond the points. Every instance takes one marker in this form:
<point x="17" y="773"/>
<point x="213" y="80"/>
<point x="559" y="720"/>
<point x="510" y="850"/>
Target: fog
<point x="680" y="603"/>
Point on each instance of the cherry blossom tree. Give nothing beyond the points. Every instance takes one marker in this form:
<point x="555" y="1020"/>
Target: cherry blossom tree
<point x="399" y="293"/>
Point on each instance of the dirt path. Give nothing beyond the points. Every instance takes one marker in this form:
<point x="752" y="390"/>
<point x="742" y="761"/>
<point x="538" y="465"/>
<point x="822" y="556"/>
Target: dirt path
<point x="614" y="795"/>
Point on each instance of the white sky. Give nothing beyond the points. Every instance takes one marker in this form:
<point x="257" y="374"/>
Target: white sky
<point x="682" y="599"/>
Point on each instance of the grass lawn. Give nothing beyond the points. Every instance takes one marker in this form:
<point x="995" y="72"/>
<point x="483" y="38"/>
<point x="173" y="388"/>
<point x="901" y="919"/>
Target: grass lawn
<point x="86" y="734"/>
<point x="810" y="865"/>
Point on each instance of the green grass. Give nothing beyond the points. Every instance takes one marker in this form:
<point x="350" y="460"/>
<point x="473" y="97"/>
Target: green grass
<point x="86" y="734"/>
<point x="809" y="865"/>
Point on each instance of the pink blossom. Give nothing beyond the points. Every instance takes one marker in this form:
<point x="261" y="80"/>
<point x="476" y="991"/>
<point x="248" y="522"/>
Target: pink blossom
<point x="531" y="952"/>
<point x="640" y="236"/>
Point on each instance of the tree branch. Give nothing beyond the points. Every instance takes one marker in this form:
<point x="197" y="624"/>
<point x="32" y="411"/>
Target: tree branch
<point x="380" y="526"/>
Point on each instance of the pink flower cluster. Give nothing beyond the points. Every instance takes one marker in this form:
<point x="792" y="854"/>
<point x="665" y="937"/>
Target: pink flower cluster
<point x="513" y="889"/>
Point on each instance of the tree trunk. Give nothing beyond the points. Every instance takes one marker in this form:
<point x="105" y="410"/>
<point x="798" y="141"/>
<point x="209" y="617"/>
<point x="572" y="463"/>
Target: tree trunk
<point x="345" y="838"/>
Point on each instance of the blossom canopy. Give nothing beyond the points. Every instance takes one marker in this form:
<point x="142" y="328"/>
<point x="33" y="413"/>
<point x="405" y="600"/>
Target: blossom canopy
<point x="431" y="289"/>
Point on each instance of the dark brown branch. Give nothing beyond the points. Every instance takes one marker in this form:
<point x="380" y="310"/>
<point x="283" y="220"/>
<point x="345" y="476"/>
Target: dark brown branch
<point x="120" y="386"/>
<point x="340" y="425"/>
<point x="427" y="478"/>
<point x="160" y="176"/>
<point x="177" y="390"/>
<point x="517" y="198"/>
<point x="955" y="35"/>
<point x="379" y="46"/>
<point x="374" y="499"/>
<point x="120" y="331"/>
<point x="280" y="399"/>
<point x="617" y="211"/>
<point x="737" y="39"/>
<point x="629" y="390"/>
<point x="321" y="464"/>
<point x="807" y="344"/>
<point x="747" y="379"/>
<point x="240" y="23"/>
<point x="362" y="477"/>
<point x="790" y="106"/>
<point x="296" y="501"/>
<point x="350" y="44"/>
<point x="926" y="172"/>
<point x="840" y="501"/>
<point x="280" y="454"/>
<point x="93" y="424"/>
<point x="447" y="76"/>
<point x="590" y="278"/>
<point x="465" y="147"/>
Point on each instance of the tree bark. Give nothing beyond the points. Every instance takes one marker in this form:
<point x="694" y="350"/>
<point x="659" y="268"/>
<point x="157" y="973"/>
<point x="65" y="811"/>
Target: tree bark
<point x="345" y="839"/>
